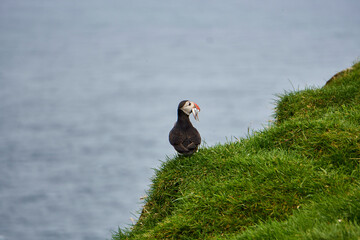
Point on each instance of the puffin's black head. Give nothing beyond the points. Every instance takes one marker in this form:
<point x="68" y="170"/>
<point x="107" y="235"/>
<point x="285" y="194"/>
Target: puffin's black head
<point x="189" y="107"/>
<point x="182" y="103"/>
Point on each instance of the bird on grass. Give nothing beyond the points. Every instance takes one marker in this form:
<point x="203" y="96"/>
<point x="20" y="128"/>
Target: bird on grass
<point x="183" y="136"/>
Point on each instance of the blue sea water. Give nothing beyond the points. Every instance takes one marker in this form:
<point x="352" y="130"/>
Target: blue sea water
<point x="89" y="91"/>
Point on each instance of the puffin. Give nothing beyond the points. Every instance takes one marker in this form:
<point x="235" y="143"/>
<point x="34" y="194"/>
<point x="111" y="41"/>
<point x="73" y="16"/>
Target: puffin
<point x="183" y="136"/>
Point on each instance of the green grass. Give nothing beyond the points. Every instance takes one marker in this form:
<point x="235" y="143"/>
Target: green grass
<point x="330" y="218"/>
<point x="299" y="178"/>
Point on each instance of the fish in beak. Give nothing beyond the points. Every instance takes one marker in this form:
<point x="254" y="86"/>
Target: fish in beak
<point x="195" y="111"/>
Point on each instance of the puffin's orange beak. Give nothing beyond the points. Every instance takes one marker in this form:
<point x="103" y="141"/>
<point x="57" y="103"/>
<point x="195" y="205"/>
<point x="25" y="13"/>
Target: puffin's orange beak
<point x="197" y="107"/>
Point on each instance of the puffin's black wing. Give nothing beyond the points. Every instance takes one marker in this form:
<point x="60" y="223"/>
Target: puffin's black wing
<point x="185" y="141"/>
<point x="176" y="138"/>
<point x="193" y="139"/>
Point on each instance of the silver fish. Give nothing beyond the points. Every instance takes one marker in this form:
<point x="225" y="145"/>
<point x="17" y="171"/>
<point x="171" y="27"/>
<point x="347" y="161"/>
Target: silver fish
<point x="195" y="113"/>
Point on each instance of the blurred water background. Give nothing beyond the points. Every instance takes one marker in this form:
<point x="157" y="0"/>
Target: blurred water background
<point x="89" y="91"/>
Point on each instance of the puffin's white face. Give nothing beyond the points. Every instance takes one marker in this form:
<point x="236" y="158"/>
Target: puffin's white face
<point x="191" y="107"/>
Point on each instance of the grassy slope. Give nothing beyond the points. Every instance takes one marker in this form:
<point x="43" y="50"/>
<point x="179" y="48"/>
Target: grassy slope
<point x="297" y="179"/>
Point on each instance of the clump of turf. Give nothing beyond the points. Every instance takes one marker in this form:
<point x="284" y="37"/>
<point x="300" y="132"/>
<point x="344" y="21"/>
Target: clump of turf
<point x="265" y="186"/>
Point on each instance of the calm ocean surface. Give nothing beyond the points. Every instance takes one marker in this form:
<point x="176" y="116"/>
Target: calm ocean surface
<point x="89" y="91"/>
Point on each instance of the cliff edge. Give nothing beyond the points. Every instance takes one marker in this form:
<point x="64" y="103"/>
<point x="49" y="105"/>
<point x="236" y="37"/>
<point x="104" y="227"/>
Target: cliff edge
<point x="298" y="178"/>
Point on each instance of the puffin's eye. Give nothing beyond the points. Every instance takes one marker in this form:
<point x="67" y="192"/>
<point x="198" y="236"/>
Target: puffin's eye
<point x="189" y="103"/>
